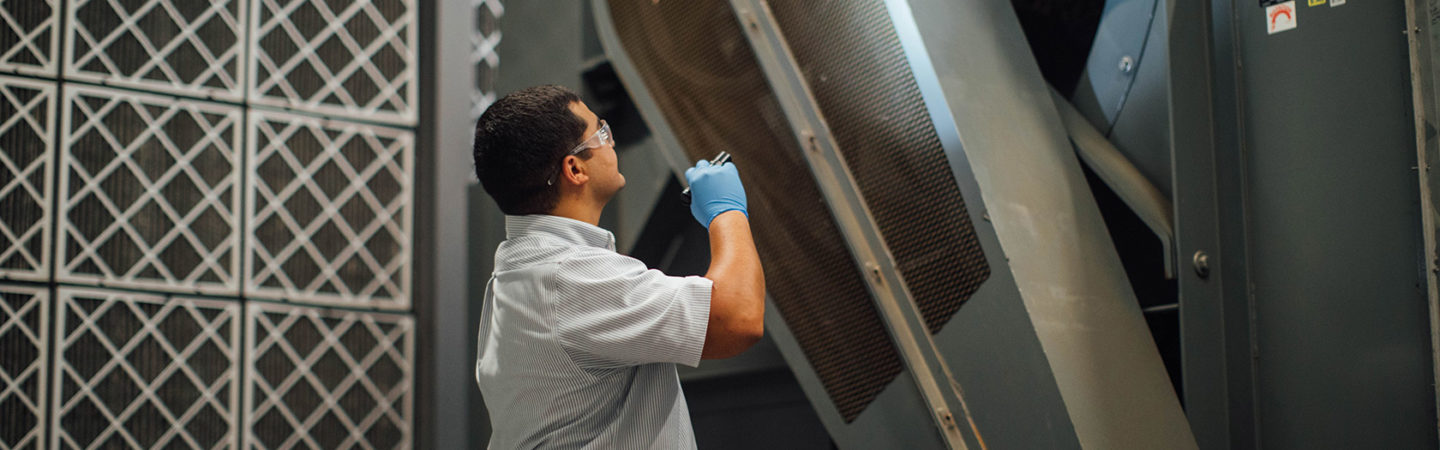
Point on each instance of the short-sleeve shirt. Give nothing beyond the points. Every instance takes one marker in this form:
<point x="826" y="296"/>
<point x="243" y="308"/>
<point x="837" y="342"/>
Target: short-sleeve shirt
<point x="578" y="344"/>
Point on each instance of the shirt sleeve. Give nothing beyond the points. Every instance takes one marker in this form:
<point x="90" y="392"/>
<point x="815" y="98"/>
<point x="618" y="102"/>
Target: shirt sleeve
<point x="610" y="311"/>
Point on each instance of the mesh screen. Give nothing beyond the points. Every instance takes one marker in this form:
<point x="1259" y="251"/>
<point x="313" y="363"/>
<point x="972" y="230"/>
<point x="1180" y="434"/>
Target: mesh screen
<point x="702" y="73"/>
<point x="185" y="47"/>
<point x="353" y="383"/>
<point x="28" y="35"/>
<point x="149" y="192"/>
<point x="855" y="66"/>
<point x="27" y="117"/>
<point x="330" y="211"/>
<point x="142" y="371"/>
<point x="24" y="368"/>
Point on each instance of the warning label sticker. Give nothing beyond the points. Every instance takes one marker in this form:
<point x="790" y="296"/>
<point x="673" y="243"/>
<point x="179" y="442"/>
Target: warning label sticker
<point x="1280" y="17"/>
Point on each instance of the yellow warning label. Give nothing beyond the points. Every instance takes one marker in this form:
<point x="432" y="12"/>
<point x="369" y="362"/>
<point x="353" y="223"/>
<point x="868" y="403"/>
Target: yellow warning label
<point x="1317" y="2"/>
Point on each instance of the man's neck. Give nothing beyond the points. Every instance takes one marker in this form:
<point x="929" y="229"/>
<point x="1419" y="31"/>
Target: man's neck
<point x="580" y="211"/>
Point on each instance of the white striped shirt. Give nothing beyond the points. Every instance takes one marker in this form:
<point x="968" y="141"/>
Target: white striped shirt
<point x="578" y="344"/>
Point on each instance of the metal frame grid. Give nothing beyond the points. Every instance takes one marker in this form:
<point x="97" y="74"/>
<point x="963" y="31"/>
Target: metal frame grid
<point x="483" y="55"/>
<point x="175" y="46"/>
<point x="329" y="65"/>
<point x="143" y="371"/>
<point x="23" y="330"/>
<point x="152" y="203"/>
<point x="28" y="42"/>
<point x="313" y="210"/>
<point x="26" y="146"/>
<point x="313" y="371"/>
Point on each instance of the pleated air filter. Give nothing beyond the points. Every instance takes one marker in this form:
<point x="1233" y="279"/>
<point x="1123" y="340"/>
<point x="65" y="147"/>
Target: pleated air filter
<point x="27" y="121"/>
<point x="194" y="165"/>
<point x="182" y="47"/>
<point x="29" y="33"/>
<point x="25" y="367"/>
<point x="161" y="372"/>
<point x="701" y="71"/>
<point x="150" y="192"/>
<point x="328" y="379"/>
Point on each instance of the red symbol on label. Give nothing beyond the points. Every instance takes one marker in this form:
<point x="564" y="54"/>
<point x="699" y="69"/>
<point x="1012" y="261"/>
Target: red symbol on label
<point x="1282" y="17"/>
<point x="1281" y="11"/>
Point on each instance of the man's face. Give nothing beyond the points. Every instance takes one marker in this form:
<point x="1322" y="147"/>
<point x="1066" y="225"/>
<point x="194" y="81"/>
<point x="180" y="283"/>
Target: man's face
<point x="603" y="165"/>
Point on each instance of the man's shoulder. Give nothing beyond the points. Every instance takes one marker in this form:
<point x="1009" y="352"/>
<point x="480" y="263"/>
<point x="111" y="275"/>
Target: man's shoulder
<point x="598" y="260"/>
<point x="528" y="251"/>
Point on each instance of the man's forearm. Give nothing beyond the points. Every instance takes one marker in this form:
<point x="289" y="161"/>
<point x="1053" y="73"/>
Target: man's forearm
<point x="737" y="304"/>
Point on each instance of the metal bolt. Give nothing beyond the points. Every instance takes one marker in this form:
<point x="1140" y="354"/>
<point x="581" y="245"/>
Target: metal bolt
<point x="875" y="272"/>
<point x="811" y="142"/>
<point x="947" y="419"/>
<point x="1202" y="263"/>
<point x="1127" y="64"/>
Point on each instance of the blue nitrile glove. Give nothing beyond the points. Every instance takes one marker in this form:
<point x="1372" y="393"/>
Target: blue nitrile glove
<point x="714" y="190"/>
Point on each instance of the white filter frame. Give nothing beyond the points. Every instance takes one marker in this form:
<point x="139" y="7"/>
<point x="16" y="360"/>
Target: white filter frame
<point x="400" y="35"/>
<point x="483" y="56"/>
<point x="20" y="184"/>
<point x="392" y="277"/>
<point x="226" y="384"/>
<point x="234" y="82"/>
<point x="13" y="325"/>
<point x="225" y="205"/>
<point x="28" y="38"/>
<point x="261" y="398"/>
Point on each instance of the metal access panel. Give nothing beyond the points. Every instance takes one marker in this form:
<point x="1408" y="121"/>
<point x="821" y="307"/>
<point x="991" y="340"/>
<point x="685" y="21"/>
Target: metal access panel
<point x="913" y="315"/>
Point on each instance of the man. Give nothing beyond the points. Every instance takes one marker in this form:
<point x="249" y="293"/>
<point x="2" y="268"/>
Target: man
<point x="578" y="344"/>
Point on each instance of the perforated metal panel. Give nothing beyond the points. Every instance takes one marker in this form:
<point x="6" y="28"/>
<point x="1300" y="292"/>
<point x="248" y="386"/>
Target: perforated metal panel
<point x="483" y="55"/>
<point x="702" y="73"/>
<point x="329" y="211"/>
<point x="143" y="371"/>
<point x="354" y="58"/>
<point x="328" y="379"/>
<point x="24" y="368"/>
<point x="27" y="121"/>
<point x="28" y="35"/>
<point x="149" y="192"/>
<point x="854" y="65"/>
<point x="177" y="46"/>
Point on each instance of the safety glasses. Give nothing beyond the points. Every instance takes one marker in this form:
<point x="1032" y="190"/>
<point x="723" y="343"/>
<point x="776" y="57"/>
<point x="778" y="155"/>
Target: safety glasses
<point x="601" y="138"/>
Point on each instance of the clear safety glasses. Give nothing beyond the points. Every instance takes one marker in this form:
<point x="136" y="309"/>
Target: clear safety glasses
<point x="601" y="138"/>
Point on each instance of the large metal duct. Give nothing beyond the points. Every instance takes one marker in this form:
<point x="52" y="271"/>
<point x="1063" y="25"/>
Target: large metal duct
<point x="938" y="271"/>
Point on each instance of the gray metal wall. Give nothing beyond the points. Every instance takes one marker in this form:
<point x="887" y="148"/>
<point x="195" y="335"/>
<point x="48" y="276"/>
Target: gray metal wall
<point x="1312" y="329"/>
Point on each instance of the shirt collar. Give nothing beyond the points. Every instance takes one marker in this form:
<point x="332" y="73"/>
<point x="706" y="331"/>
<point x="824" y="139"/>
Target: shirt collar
<point x="563" y="228"/>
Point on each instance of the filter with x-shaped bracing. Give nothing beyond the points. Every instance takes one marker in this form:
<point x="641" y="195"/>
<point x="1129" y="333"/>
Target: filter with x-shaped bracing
<point x="27" y="146"/>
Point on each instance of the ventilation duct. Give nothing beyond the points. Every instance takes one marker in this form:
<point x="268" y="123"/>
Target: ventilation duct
<point x="939" y="275"/>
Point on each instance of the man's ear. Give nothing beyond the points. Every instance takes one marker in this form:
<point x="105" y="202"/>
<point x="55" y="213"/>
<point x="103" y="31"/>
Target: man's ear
<point x="575" y="170"/>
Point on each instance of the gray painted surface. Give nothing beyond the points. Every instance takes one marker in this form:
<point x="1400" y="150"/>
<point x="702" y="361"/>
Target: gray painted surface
<point x="446" y="376"/>
<point x="1217" y="400"/>
<point x="1140" y="129"/>
<point x="1339" y="312"/>
<point x="1106" y="365"/>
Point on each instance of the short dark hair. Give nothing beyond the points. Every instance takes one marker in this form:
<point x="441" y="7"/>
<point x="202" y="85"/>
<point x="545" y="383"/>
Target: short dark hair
<point x="519" y="141"/>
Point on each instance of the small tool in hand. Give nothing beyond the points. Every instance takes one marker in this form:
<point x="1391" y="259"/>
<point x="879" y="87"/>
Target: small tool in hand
<point x="719" y="159"/>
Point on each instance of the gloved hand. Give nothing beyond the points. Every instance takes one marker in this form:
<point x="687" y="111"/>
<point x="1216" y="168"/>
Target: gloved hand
<point x="714" y="190"/>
